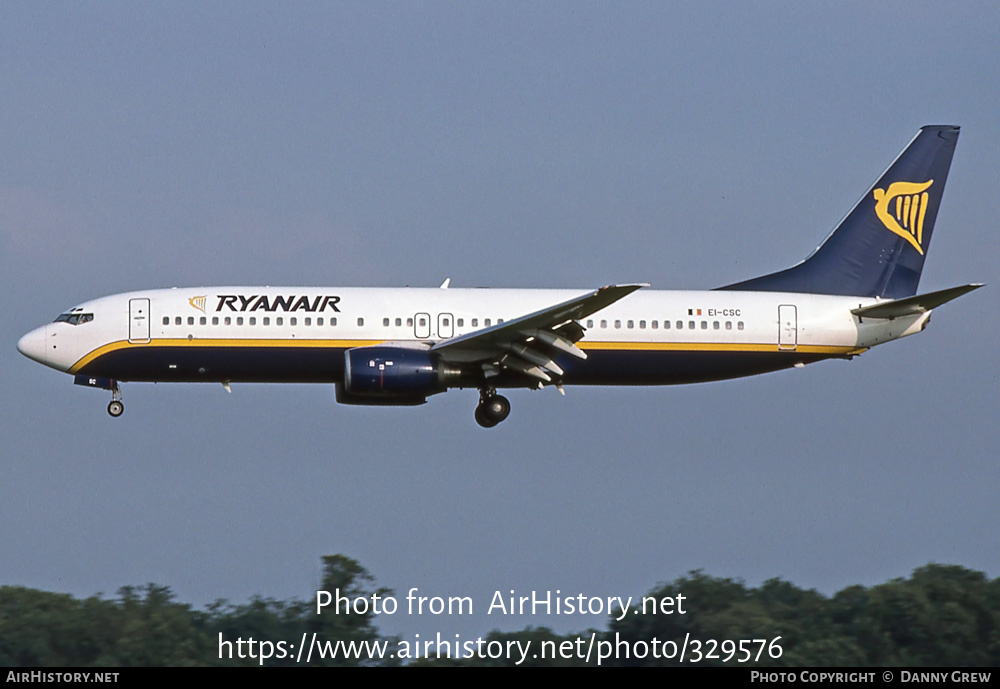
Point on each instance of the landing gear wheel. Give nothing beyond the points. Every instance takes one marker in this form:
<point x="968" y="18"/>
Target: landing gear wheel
<point x="481" y="418"/>
<point x="115" y="406"/>
<point x="492" y="409"/>
<point x="497" y="408"/>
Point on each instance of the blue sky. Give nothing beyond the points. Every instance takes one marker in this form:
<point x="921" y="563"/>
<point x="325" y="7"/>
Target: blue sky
<point x="563" y="145"/>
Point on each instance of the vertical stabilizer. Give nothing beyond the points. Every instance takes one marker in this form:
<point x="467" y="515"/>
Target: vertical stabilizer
<point x="880" y="247"/>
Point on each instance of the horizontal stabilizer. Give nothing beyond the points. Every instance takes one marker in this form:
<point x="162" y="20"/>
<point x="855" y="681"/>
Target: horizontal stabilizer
<point x="912" y="306"/>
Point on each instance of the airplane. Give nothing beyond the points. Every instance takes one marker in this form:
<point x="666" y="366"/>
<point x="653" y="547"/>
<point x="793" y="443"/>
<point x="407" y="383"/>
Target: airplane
<point x="386" y="346"/>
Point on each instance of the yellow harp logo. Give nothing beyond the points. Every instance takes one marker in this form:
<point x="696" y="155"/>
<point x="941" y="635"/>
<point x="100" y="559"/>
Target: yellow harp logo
<point x="901" y="209"/>
<point x="198" y="303"/>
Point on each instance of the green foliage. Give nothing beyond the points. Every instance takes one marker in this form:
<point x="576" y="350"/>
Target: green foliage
<point x="941" y="615"/>
<point x="142" y="627"/>
<point x="145" y="626"/>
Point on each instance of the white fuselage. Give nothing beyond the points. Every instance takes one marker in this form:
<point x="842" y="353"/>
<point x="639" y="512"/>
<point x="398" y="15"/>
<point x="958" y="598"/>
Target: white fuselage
<point x="298" y="334"/>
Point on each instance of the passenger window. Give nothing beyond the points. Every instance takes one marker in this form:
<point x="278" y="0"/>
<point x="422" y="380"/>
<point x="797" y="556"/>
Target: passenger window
<point x="680" y="325"/>
<point x="253" y="320"/>
<point x="333" y="321"/>
<point x="739" y="325"/>
<point x="409" y="322"/>
<point x="399" y="322"/>
<point x="461" y="322"/>
<point x="690" y="325"/>
<point x="475" y="322"/>
<point x="590" y="323"/>
<point x="190" y="320"/>
<point x="666" y="325"/>
<point x="715" y="325"/>
<point x="618" y="324"/>
<point x="215" y="320"/>
<point x="604" y="323"/>
<point x="361" y="321"/>
<point x="277" y="321"/>
<point x="267" y="320"/>
<point x="487" y="322"/>
<point x="631" y="325"/>
<point x="704" y="325"/>
<point x="385" y="322"/>
<point x="166" y="320"/>
<point x="729" y="325"/>
<point x="319" y="321"/>
<point x="229" y="321"/>
<point x="202" y="321"/>
<point x="654" y="324"/>
<point x="445" y="322"/>
<point x="178" y="321"/>
<point x="642" y="325"/>
<point x="309" y="321"/>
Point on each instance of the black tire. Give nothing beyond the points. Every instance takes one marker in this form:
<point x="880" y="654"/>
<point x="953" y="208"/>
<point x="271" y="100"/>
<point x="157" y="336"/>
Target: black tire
<point x="482" y="419"/>
<point x="115" y="408"/>
<point x="496" y="408"/>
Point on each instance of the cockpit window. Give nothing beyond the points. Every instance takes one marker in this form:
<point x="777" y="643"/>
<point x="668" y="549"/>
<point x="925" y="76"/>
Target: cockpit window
<point x="75" y="318"/>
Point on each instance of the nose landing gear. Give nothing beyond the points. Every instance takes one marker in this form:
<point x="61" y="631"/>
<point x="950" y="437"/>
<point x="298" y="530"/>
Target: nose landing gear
<point x="115" y="407"/>
<point x="492" y="408"/>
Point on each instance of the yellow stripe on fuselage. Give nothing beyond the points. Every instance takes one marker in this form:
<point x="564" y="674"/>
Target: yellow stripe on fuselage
<point x="714" y="347"/>
<point x="348" y="344"/>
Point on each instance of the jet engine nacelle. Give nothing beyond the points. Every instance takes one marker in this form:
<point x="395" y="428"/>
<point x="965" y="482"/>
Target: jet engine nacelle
<point x="385" y="374"/>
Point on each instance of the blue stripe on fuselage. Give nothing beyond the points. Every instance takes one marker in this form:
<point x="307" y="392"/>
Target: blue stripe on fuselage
<point x="151" y="363"/>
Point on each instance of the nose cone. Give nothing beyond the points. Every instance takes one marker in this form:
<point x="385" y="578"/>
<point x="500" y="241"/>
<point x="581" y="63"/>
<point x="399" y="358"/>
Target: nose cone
<point x="32" y="345"/>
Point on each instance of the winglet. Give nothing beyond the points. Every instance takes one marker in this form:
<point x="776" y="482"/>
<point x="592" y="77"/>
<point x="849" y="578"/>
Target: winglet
<point x="444" y="285"/>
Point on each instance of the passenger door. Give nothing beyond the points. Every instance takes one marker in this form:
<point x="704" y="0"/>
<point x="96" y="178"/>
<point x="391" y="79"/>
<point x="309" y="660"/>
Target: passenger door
<point x="138" y="321"/>
<point x="788" y="329"/>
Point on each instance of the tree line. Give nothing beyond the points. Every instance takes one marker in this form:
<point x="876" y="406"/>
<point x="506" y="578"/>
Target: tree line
<point x="941" y="615"/>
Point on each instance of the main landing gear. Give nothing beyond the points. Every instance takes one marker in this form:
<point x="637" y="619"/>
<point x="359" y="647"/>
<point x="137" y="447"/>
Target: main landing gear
<point x="115" y="407"/>
<point x="492" y="408"/>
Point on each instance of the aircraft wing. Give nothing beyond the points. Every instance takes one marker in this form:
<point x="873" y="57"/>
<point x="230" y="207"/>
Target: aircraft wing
<point x="529" y="344"/>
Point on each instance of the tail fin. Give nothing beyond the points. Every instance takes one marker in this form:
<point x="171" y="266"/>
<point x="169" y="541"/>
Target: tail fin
<point x="878" y="250"/>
